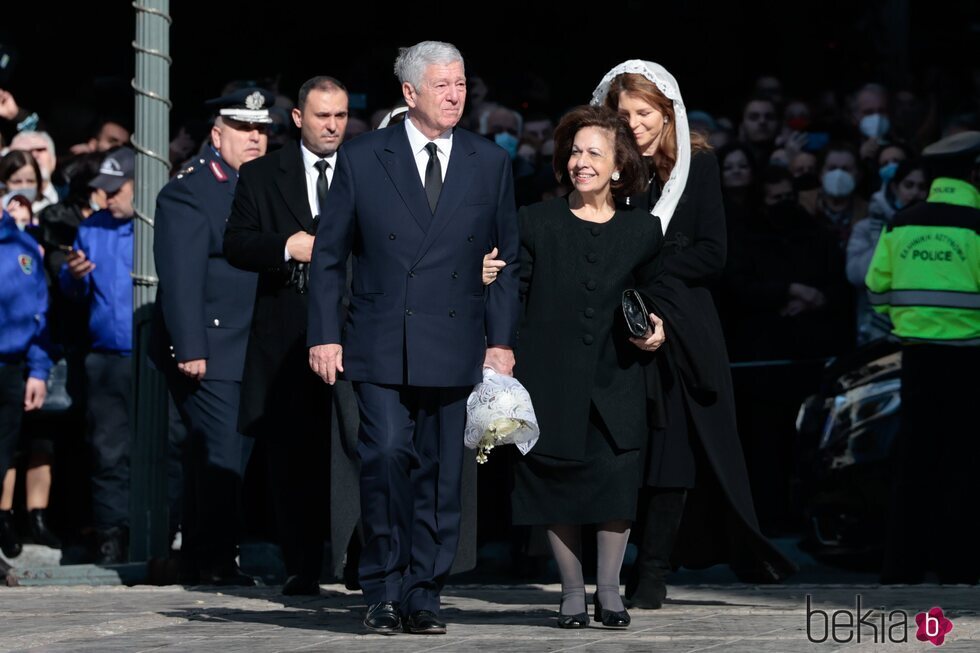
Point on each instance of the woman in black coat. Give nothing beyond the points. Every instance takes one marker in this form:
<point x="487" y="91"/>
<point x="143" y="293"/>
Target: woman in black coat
<point x="694" y="455"/>
<point x="576" y="360"/>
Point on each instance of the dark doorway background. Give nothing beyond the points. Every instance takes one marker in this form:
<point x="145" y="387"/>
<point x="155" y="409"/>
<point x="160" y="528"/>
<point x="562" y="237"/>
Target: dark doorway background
<point x="73" y="61"/>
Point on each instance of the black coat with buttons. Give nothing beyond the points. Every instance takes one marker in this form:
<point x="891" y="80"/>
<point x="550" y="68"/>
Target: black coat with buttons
<point x="573" y="344"/>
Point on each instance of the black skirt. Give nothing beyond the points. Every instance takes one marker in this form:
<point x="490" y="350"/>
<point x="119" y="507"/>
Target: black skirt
<point x="601" y="488"/>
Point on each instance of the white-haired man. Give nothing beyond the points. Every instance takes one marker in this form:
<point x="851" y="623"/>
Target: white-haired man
<point x="417" y="204"/>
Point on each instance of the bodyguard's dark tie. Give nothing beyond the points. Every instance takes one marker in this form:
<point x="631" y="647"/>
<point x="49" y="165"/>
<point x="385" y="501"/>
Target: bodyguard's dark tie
<point x="433" y="176"/>
<point x="322" y="185"/>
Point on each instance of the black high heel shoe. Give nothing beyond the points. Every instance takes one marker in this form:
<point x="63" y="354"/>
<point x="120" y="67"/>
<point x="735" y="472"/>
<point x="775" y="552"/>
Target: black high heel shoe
<point x="580" y="620"/>
<point x="610" y="618"/>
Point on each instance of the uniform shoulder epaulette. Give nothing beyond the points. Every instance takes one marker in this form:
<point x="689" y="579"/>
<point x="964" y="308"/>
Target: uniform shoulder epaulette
<point x="188" y="170"/>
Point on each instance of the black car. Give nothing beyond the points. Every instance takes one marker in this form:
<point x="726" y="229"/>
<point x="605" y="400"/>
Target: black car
<point x="847" y="436"/>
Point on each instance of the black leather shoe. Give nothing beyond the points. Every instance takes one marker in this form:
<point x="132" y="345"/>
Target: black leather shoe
<point x="383" y="618"/>
<point x="39" y="529"/>
<point x="298" y="585"/>
<point x="424" y="622"/>
<point x="609" y="618"/>
<point x="9" y="542"/>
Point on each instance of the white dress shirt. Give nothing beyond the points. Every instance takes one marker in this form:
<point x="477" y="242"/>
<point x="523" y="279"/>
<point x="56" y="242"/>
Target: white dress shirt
<point x="417" y="141"/>
<point x="312" y="174"/>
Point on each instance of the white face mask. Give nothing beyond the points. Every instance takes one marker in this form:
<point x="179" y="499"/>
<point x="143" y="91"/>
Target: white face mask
<point x="838" y="183"/>
<point x="874" y="125"/>
<point x="29" y="194"/>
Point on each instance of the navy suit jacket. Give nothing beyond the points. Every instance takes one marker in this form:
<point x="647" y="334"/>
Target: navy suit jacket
<point x="204" y="304"/>
<point x="419" y="313"/>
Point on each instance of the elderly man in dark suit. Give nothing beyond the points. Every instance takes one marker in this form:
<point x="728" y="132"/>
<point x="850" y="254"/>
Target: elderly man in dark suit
<point x="277" y="203"/>
<point x="204" y="308"/>
<point x="417" y="205"/>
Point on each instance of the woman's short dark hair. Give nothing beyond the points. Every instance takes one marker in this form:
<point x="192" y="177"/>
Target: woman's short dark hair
<point x="629" y="161"/>
<point x="13" y="161"/>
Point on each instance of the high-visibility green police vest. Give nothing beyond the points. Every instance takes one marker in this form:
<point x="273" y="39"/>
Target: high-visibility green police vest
<point x="925" y="272"/>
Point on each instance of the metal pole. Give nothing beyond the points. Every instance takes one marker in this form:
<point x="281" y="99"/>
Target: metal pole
<point x="149" y="517"/>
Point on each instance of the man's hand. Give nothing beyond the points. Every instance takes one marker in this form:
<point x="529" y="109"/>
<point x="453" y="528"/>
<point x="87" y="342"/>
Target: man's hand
<point x="300" y="247"/>
<point x="654" y="337"/>
<point x="35" y="393"/>
<point x="195" y="369"/>
<point x="326" y="361"/>
<point x="78" y="264"/>
<point x="500" y="359"/>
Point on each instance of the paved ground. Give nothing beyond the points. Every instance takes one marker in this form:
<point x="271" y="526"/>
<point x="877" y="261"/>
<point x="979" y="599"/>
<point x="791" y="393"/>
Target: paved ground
<point x="84" y="608"/>
<point x="481" y="618"/>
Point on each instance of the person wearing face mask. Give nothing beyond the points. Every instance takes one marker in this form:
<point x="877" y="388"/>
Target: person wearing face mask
<point x="505" y="127"/>
<point x="19" y="173"/>
<point x="41" y="147"/>
<point x="25" y="359"/>
<point x="836" y="204"/>
<point x="907" y="185"/>
<point x="925" y="275"/>
<point x="870" y="115"/>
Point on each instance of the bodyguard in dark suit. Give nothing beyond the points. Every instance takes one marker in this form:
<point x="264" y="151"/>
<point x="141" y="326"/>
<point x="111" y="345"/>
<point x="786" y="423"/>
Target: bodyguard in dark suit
<point x="204" y="311"/>
<point x="270" y="231"/>
<point x="417" y="205"/>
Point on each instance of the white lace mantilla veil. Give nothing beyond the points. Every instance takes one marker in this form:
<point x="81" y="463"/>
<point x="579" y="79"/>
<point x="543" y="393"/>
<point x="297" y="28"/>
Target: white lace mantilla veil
<point x="671" y="193"/>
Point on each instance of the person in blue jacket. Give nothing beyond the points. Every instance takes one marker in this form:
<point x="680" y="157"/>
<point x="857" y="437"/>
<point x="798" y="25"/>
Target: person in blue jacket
<point x="24" y="347"/>
<point x="98" y="272"/>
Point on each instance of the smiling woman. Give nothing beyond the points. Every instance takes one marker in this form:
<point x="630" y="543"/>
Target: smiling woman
<point x="576" y="359"/>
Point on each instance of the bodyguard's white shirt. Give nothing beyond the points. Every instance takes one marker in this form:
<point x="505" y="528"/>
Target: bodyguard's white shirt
<point x="417" y="141"/>
<point x="312" y="174"/>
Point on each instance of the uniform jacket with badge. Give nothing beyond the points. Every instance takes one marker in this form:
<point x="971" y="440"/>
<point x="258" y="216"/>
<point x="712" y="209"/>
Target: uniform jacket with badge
<point x="204" y="305"/>
<point x="23" y="302"/>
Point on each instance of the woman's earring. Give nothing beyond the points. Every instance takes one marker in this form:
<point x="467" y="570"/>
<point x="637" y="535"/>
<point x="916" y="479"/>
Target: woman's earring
<point x="615" y="175"/>
<point x="666" y="119"/>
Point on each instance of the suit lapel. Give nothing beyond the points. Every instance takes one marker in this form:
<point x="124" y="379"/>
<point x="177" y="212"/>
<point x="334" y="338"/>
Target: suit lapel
<point x="459" y="177"/>
<point x="292" y="185"/>
<point x="399" y="161"/>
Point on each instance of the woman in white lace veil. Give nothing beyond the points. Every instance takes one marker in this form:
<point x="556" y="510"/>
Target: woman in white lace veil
<point x="685" y="196"/>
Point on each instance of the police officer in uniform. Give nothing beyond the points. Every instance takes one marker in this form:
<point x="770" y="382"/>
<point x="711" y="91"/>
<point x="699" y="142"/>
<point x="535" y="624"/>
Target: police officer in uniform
<point x="204" y="312"/>
<point x="23" y="348"/>
<point x="925" y="275"/>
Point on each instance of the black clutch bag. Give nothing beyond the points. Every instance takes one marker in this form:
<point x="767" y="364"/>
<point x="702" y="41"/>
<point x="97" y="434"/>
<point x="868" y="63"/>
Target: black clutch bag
<point x="636" y="313"/>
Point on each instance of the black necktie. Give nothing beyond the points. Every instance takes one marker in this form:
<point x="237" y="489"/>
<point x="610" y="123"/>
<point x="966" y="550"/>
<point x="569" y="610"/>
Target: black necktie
<point x="433" y="176"/>
<point x="321" y="185"/>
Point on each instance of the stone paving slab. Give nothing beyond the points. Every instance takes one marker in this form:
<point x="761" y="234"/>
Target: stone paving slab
<point x="481" y="618"/>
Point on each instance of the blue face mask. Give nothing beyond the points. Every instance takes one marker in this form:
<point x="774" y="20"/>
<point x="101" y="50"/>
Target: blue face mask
<point x="507" y="141"/>
<point x="886" y="172"/>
